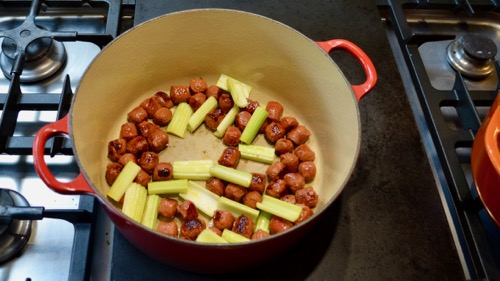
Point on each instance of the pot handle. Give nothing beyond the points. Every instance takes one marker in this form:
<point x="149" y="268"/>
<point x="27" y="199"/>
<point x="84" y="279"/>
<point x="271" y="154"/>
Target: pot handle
<point x="370" y="72"/>
<point x="78" y="185"/>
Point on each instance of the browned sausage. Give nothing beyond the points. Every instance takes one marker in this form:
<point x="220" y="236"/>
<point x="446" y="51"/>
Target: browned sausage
<point x="213" y="91"/>
<point x="277" y="225"/>
<point x="252" y="105"/>
<point x="163" y="99"/>
<point x="142" y="178"/>
<point x="307" y="196"/>
<point x="277" y="188"/>
<point x="137" y="145"/>
<point x="112" y="172"/>
<point x="274" y="131"/>
<point x="244" y="226"/>
<point x="215" y="230"/>
<point x="128" y="131"/>
<point x="223" y="219"/>
<point x="262" y="128"/>
<point x="258" y="183"/>
<point x="196" y="100"/>
<point x="307" y="170"/>
<point x="234" y="192"/>
<point x="198" y="85"/>
<point x="127" y="157"/>
<point x="187" y="210"/>
<point x="116" y="148"/>
<point x="259" y="234"/>
<point x="148" y="161"/>
<point x="145" y="127"/>
<point x="157" y="140"/>
<point x="137" y="115"/>
<point x="305" y="214"/>
<point x="291" y="162"/>
<point x="213" y="118"/>
<point x="275" y="171"/>
<point x="163" y="171"/>
<point x="179" y="94"/>
<point x="275" y="110"/>
<point x="290" y="198"/>
<point x="225" y="102"/>
<point x="232" y="136"/>
<point x="190" y="229"/>
<point x="215" y="185"/>
<point x="298" y="135"/>
<point x="230" y="157"/>
<point x="305" y="153"/>
<point x="151" y="106"/>
<point x="294" y="181"/>
<point x="162" y="116"/>
<point x="251" y="198"/>
<point x="283" y="146"/>
<point x="168" y="208"/>
<point x="169" y="228"/>
<point x="241" y="120"/>
<point x="288" y="122"/>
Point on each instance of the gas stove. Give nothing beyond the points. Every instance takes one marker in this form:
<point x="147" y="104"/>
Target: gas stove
<point x="447" y="55"/>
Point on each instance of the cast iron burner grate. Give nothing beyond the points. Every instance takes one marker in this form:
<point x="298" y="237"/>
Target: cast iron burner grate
<point x="477" y="234"/>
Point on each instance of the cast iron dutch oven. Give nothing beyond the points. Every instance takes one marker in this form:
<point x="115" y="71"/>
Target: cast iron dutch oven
<point x="280" y="63"/>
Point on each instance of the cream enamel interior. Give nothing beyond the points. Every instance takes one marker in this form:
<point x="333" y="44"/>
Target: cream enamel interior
<point x="280" y="63"/>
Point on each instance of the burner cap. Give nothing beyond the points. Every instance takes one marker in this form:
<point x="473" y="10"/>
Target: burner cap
<point x="472" y="55"/>
<point x="14" y="234"/>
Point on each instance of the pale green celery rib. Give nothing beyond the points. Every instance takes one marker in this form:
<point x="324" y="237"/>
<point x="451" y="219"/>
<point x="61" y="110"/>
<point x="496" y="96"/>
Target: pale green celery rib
<point x="123" y="181"/>
<point x="168" y="187"/>
<point x="280" y="208"/>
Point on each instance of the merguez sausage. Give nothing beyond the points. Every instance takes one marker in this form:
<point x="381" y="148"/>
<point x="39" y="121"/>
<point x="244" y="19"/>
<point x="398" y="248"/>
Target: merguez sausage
<point x="244" y="226"/>
<point x="213" y="118"/>
<point x="151" y="106"/>
<point x="234" y="192"/>
<point x="298" y="135"/>
<point x="112" y="172"/>
<point x="307" y="170"/>
<point x="307" y="196"/>
<point x="277" y="225"/>
<point x="179" y="94"/>
<point x="127" y="157"/>
<point x="288" y="122"/>
<point x="251" y="199"/>
<point x="304" y="153"/>
<point x="137" y="145"/>
<point x="190" y="229"/>
<point x="163" y="99"/>
<point x="230" y="157"/>
<point x="137" y="115"/>
<point x="294" y="181"/>
<point x="213" y="91"/>
<point x="187" y="210"/>
<point x="283" y="146"/>
<point x="274" y="132"/>
<point x="142" y="178"/>
<point x="215" y="185"/>
<point x="128" y="131"/>
<point x="223" y="219"/>
<point x="276" y="188"/>
<point x="275" y="171"/>
<point x="168" y="208"/>
<point x="232" y="136"/>
<point x="291" y="162"/>
<point x="196" y="100"/>
<point x="241" y="119"/>
<point x="169" y="228"/>
<point x="258" y="183"/>
<point x="225" y="102"/>
<point x="116" y="148"/>
<point x="163" y="171"/>
<point x="157" y="140"/>
<point x="275" y="110"/>
<point x="198" y="85"/>
<point x="148" y="161"/>
<point x="162" y="116"/>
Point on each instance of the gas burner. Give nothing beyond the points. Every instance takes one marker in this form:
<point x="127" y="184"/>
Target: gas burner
<point x="14" y="234"/>
<point x="473" y="55"/>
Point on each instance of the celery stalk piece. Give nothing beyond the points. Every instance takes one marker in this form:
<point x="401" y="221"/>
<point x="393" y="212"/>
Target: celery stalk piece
<point x="237" y="90"/>
<point x="151" y="211"/>
<point x="279" y="208"/>
<point x="222" y="83"/>
<point x="257" y="153"/>
<point x="208" y="236"/>
<point x="199" y="115"/>
<point x="231" y="175"/>
<point x="123" y="181"/>
<point x="227" y="121"/>
<point x="192" y="169"/>
<point x="263" y="221"/>
<point x="236" y="208"/>
<point x="205" y="200"/>
<point x="258" y="117"/>
<point x="168" y="187"/>
<point x="179" y="122"/>
<point x="233" y="237"/>
<point x="134" y="201"/>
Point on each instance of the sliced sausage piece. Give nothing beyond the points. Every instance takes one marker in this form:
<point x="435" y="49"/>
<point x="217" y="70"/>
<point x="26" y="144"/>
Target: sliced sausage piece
<point x="137" y="115"/>
<point x="145" y="127"/>
<point x="163" y="99"/>
<point x="137" y="145"/>
<point x="213" y="91"/>
<point x="307" y="170"/>
<point x="213" y="118"/>
<point x="241" y="119"/>
<point x="112" y="172"/>
<point x="128" y="131"/>
<point x="298" y="135"/>
<point x="215" y="185"/>
<point x="215" y="230"/>
<point x="276" y="189"/>
<point x="163" y="172"/>
<point x="162" y="116"/>
<point x="305" y="153"/>
<point x="258" y="183"/>
<point x="142" y="178"/>
<point x="305" y="214"/>
<point x="151" y="106"/>
<point x="190" y="229"/>
<point x="244" y="226"/>
<point x="283" y="146"/>
<point x="275" y="171"/>
<point x="232" y="136"/>
<point x="307" y="196"/>
<point x="291" y="162"/>
<point x="294" y="181"/>
<point x="225" y="102"/>
<point x="148" y="161"/>
<point x="234" y="192"/>
<point x="223" y="219"/>
<point x="275" y="110"/>
<point x="288" y="122"/>
<point x="187" y="210"/>
<point x="274" y="131"/>
<point x="116" y="148"/>
<point x="179" y="94"/>
<point x="290" y="198"/>
<point x="157" y="140"/>
<point x="198" y="85"/>
<point x="252" y="105"/>
<point x="127" y="157"/>
<point x="262" y="128"/>
<point x="252" y="198"/>
<point x="277" y="225"/>
<point x="168" y="208"/>
<point x="169" y="228"/>
<point x="259" y="234"/>
<point x="230" y="157"/>
<point x="196" y="100"/>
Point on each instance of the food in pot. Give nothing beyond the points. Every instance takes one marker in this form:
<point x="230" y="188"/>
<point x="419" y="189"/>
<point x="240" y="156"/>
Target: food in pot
<point x="235" y="205"/>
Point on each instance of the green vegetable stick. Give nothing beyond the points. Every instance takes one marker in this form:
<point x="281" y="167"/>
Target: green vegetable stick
<point x="134" y="201"/>
<point x="231" y="175"/>
<point x="258" y="117"/>
<point x="123" y="181"/>
<point x="192" y="169"/>
<point x="222" y="83"/>
<point x="263" y="221"/>
<point x="151" y="211"/>
<point x="237" y="91"/>
<point x="208" y="236"/>
<point x="205" y="200"/>
<point x="236" y="208"/>
<point x="279" y="208"/>
<point x="233" y="237"/>
<point x="179" y="122"/>
<point x="227" y="121"/>
<point x="199" y="115"/>
<point x="168" y="187"/>
<point x="257" y="153"/>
